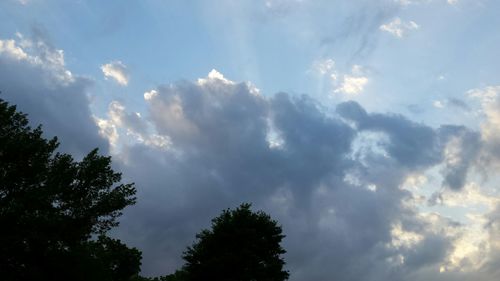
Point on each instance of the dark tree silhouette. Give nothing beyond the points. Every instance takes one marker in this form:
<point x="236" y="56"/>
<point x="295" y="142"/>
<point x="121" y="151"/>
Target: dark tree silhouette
<point x="241" y="246"/>
<point x="55" y="211"/>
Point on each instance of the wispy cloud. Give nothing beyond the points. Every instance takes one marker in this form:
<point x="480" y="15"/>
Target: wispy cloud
<point x="410" y="2"/>
<point x="117" y="71"/>
<point x="398" y="27"/>
<point x="324" y="66"/>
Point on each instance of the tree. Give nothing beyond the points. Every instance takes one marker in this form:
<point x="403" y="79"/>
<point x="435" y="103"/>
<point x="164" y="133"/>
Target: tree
<point x="55" y="211"/>
<point x="241" y="246"/>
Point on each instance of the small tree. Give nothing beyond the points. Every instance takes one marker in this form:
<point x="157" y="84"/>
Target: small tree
<point x="241" y="246"/>
<point x="55" y="212"/>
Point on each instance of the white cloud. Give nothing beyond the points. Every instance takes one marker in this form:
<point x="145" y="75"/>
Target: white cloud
<point x="214" y="76"/>
<point x="399" y="28"/>
<point x="438" y="104"/>
<point x="351" y="84"/>
<point x="124" y="127"/>
<point x="489" y="97"/>
<point x="490" y="101"/>
<point x="38" y="52"/>
<point x="117" y="71"/>
<point x="10" y="48"/>
<point x="35" y="78"/>
<point x="107" y="130"/>
<point x="323" y="67"/>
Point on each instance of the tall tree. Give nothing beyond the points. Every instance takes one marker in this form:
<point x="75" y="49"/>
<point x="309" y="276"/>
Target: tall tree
<point x="55" y="211"/>
<point x="241" y="245"/>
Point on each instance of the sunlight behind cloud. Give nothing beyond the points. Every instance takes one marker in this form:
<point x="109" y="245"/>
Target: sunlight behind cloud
<point x="117" y="71"/>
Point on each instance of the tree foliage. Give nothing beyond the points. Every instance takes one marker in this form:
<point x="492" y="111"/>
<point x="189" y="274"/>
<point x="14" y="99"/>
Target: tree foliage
<point x="241" y="245"/>
<point x="55" y="211"/>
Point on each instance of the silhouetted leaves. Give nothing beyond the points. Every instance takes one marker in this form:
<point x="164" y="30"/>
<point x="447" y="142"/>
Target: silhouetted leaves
<point x="242" y="245"/>
<point x="55" y="211"/>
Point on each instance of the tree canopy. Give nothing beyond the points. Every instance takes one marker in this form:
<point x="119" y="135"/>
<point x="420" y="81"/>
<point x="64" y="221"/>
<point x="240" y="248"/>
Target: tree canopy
<point x="241" y="245"/>
<point x="55" y="211"/>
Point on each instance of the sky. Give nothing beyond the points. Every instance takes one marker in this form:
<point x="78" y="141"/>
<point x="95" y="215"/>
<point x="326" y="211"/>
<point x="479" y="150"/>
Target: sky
<point x="369" y="129"/>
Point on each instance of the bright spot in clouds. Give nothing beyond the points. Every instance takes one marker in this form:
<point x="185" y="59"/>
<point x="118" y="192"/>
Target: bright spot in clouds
<point x="117" y="71"/>
<point x="351" y="84"/>
<point x="399" y="28"/>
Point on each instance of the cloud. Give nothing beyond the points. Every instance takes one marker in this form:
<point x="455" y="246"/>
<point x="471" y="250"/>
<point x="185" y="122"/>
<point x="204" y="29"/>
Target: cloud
<point x="35" y="78"/>
<point x="282" y="7"/>
<point x="324" y="66"/>
<point x="122" y="127"/>
<point x="415" y="2"/>
<point x="458" y="103"/>
<point x="410" y="2"/>
<point x="351" y="84"/>
<point x="9" y="48"/>
<point x="117" y="71"/>
<point x="438" y="104"/>
<point x="454" y="103"/>
<point x="489" y="98"/>
<point x="334" y="180"/>
<point x="399" y="28"/>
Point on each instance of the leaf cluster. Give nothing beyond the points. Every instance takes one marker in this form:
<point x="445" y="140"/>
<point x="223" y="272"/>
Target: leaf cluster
<point x="241" y="245"/>
<point x="55" y="211"/>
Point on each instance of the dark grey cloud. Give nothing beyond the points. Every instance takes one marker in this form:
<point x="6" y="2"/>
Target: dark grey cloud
<point x="33" y="77"/>
<point x="332" y="179"/>
<point x="458" y="103"/>
<point x="411" y="144"/>
<point x="417" y="146"/>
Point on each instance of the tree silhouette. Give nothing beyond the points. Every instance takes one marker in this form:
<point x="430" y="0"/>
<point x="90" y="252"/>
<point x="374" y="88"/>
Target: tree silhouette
<point x="55" y="211"/>
<point x="241" y="246"/>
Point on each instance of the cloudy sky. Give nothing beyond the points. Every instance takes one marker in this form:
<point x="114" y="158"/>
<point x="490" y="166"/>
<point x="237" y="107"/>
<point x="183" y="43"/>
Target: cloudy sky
<point x="369" y="129"/>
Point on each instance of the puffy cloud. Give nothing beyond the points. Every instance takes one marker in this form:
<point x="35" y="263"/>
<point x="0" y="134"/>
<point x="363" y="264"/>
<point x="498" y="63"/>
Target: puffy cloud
<point x="35" y="78"/>
<point x="399" y="28"/>
<point x="9" y="48"/>
<point x="351" y="84"/>
<point x="122" y="127"/>
<point x="117" y="71"/>
<point x="334" y="180"/>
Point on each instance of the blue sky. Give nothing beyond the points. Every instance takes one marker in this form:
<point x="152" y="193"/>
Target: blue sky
<point x="369" y="129"/>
